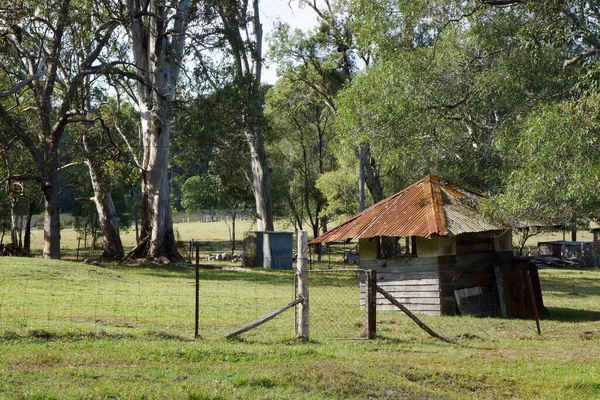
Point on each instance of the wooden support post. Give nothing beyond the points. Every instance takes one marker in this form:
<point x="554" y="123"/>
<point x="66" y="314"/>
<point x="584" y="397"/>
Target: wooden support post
<point x="533" y="304"/>
<point x="197" y="317"/>
<point x="302" y="273"/>
<point x="371" y="304"/>
<point x="500" y="287"/>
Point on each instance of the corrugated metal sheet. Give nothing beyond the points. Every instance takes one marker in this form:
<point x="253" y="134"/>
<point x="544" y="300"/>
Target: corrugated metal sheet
<point x="460" y="211"/>
<point x="427" y="208"/>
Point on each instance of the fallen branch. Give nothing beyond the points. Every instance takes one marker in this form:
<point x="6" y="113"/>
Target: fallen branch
<point x="412" y="316"/>
<point x="135" y="249"/>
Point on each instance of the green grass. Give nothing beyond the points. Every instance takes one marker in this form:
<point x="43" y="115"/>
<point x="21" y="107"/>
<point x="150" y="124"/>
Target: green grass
<point x="70" y="330"/>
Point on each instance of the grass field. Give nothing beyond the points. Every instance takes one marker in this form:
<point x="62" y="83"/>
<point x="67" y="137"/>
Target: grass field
<point x="74" y="330"/>
<point x="70" y="330"/>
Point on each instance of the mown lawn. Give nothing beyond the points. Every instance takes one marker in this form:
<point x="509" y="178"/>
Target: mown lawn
<point x="76" y="331"/>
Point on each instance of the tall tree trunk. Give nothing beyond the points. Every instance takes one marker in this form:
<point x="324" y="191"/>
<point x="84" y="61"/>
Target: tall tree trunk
<point x="21" y="230"/>
<point x="157" y="37"/>
<point x="50" y="190"/>
<point x="260" y="180"/>
<point x="14" y="221"/>
<point x="243" y="31"/>
<point x="157" y="223"/>
<point x="233" y="232"/>
<point x="371" y="171"/>
<point x="112" y="247"/>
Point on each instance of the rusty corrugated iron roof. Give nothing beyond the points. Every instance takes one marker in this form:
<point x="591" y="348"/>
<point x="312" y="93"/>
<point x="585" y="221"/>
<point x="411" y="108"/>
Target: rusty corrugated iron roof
<point x="430" y="207"/>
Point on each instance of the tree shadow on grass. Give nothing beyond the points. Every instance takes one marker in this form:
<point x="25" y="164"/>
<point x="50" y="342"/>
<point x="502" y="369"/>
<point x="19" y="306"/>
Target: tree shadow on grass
<point x="562" y="314"/>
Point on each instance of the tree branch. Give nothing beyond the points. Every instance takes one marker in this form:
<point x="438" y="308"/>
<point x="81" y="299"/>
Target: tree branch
<point x="503" y="2"/>
<point x="575" y="60"/>
<point x="26" y="81"/>
<point x="24" y="177"/>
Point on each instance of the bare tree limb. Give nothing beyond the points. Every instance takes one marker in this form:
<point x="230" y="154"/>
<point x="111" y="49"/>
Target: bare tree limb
<point x="503" y="2"/>
<point x="577" y="59"/>
<point x="20" y="85"/>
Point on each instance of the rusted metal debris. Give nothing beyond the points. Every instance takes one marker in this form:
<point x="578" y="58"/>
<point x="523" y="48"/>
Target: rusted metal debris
<point x="553" y="262"/>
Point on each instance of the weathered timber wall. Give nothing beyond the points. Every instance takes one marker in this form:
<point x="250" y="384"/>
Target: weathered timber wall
<point x="473" y="265"/>
<point x="426" y="283"/>
<point x="414" y="282"/>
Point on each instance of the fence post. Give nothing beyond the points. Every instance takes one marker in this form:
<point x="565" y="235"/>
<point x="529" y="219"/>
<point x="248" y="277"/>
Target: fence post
<point x="78" y="244"/>
<point x="533" y="304"/>
<point x="197" y="317"/>
<point x="302" y="272"/>
<point x="371" y="304"/>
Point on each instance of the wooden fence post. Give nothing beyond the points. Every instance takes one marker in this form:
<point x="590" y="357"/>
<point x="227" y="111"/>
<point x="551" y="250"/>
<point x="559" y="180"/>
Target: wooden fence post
<point x="197" y="315"/>
<point x="302" y="273"/>
<point x="371" y="304"/>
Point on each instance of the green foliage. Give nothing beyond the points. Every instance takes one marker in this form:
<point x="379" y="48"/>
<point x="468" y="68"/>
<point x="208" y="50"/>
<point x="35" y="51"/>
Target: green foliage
<point x="85" y="219"/>
<point x="558" y="157"/>
<point x="340" y="187"/>
<point x="441" y="106"/>
<point x="199" y="192"/>
<point x="300" y="132"/>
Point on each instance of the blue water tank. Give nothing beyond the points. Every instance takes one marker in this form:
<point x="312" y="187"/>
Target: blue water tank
<point x="274" y="250"/>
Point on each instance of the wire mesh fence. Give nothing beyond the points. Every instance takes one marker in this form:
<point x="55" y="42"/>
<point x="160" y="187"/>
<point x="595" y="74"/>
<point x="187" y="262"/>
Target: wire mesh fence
<point x="335" y="304"/>
<point x="68" y="298"/>
<point x="49" y="297"/>
<point x="233" y="297"/>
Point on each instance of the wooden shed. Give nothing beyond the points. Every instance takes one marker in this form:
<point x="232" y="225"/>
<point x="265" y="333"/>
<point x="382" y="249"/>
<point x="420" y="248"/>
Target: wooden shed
<point x="447" y="254"/>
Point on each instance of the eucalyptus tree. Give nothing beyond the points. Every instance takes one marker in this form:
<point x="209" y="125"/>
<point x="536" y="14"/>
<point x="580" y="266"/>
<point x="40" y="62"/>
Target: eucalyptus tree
<point x="335" y="40"/>
<point x="444" y="105"/>
<point x="210" y="148"/>
<point x="555" y="179"/>
<point x="302" y="134"/>
<point x="157" y="35"/>
<point x="48" y="51"/>
<point x="98" y="147"/>
<point x="555" y="174"/>
<point x="223" y="187"/>
<point x="24" y="199"/>
<point x="241" y="29"/>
